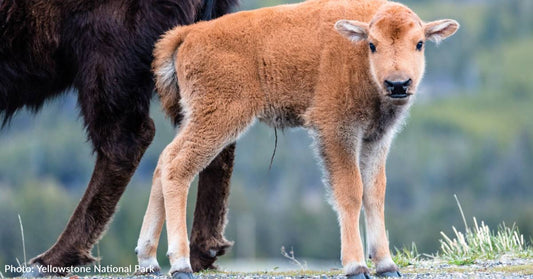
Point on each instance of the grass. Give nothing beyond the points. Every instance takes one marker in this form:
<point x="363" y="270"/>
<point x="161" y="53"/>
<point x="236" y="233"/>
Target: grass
<point x="292" y="258"/>
<point x="475" y="243"/>
<point x="481" y="243"/>
<point x="23" y="242"/>
<point x="406" y="256"/>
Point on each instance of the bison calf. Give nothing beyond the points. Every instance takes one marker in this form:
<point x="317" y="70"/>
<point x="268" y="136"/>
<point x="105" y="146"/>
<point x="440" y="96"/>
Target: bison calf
<point x="103" y="49"/>
<point x="345" y="70"/>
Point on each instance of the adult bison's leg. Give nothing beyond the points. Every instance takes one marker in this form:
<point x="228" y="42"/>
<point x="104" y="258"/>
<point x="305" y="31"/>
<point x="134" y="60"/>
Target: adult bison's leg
<point x="207" y="235"/>
<point x="116" y="161"/>
<point x="120" y="129"/>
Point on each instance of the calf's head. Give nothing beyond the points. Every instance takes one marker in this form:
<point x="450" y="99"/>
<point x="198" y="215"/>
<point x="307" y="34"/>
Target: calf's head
<point x="395" y="39"/>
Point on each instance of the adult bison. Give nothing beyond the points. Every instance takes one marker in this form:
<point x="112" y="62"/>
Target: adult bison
<point x="104" y="50"/>
<point x="347" y="70"/>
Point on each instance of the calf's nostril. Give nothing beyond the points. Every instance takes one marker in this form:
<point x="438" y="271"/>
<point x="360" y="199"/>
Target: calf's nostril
<point x="407" y="82"/>
<point x="389" y="85"/>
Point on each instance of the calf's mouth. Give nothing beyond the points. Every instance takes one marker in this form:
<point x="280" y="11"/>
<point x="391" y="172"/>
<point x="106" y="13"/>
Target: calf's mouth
<point x="399" y="95"/>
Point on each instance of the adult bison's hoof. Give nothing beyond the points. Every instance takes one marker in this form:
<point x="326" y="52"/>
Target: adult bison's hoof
<point x="393" y="274"/>
<point x="33" y="272"/>
<point x="204" y="259"/>
<point x="359" y="276"/>
<point x="182" y="275"/>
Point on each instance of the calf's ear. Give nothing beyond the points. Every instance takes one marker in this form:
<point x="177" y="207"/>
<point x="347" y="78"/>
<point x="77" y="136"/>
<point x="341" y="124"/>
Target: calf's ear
<point x="439" y="30"/>
<point x="354" y="30"/>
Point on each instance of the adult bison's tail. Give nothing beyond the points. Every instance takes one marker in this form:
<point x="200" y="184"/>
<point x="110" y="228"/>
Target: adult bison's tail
<point x="164" y="68"/>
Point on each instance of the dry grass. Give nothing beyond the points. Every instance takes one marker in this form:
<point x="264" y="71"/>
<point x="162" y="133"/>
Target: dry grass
<point x="23" y="241"/>
<point x="292" y="258"/>
<point x="480" y="242"/>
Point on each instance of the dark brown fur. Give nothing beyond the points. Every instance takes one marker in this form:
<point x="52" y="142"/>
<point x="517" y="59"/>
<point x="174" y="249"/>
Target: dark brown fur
<point x="103" y="49"/>
<point x="208" y="232"/>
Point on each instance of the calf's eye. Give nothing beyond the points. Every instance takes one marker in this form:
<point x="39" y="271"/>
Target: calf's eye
<point x="419" y="45"/>
<point x="372" y="47"/>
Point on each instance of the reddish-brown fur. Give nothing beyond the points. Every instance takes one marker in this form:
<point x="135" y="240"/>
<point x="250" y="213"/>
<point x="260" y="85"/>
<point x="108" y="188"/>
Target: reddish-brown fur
<point x="309" y="65"/>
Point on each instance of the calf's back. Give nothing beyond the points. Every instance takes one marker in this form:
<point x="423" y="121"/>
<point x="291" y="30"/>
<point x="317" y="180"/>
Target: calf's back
<point x="277" y="58"/>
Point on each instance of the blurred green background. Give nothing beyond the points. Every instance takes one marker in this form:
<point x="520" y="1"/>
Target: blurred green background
<point x="470" y="133"/>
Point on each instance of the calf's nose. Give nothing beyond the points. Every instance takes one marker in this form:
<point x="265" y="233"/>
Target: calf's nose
<point x="398" y="87"/>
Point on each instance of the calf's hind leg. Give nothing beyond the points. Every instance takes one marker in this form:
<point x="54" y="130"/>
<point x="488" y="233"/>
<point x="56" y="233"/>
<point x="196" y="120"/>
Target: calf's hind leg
<point x="197" y="144"/>
<point x="207" y="240"/>
<point x="152" y="225"/>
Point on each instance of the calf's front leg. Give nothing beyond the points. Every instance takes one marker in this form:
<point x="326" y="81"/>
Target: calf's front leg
<point x="373" y="159"/>
<point x="377" y="242"/>
<point x="347" y="193"/>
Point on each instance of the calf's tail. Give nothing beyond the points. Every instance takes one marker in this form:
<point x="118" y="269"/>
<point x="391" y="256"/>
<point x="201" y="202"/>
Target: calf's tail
<point x="164" y="68"/>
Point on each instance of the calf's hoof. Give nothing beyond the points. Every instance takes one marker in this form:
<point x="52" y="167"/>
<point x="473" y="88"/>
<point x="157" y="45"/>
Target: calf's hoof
<point x="393" y="274"/>
<point x="182" y="275"/>
<point x="149" y="272"/>
<point x="359" y="276"/>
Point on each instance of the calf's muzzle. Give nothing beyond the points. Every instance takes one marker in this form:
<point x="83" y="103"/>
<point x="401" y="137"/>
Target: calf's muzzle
<point x="398" y="89"/>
